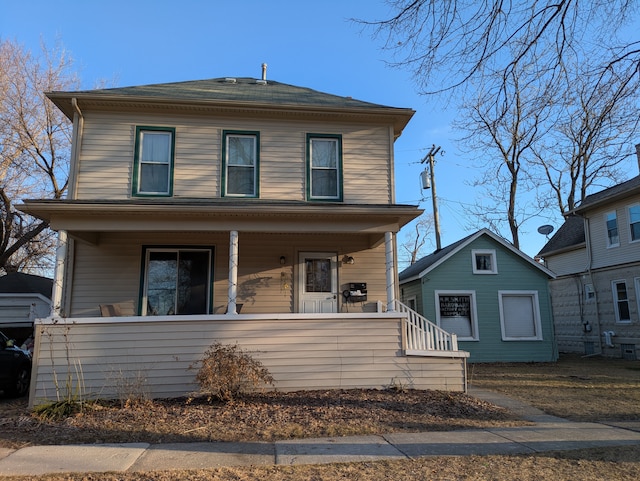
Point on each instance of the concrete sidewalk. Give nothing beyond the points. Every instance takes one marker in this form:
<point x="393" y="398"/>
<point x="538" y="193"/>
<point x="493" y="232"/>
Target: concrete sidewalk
<point x="548" y="434"/>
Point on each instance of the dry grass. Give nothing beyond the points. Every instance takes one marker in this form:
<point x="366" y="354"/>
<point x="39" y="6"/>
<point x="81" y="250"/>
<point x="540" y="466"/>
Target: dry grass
<point x="575" y="388"/>
<point x="581" y="389"/>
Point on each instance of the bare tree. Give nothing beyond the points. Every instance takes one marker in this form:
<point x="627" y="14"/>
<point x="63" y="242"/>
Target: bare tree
<point x="35" y="140"/>
<point x="447" y="43"/>
<point x="411" y="248"/>
<point x="592" y="137"/>
<point x="502" y="126"/>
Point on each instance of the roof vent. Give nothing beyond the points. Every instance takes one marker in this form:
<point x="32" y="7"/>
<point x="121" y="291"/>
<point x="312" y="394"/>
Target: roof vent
<point x="264" y="72"/>
<point x="261" y="82"/>
<point x="230" y="80"/>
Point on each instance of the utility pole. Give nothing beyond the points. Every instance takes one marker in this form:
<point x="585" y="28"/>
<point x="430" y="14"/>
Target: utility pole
<point x="436" y="218"/>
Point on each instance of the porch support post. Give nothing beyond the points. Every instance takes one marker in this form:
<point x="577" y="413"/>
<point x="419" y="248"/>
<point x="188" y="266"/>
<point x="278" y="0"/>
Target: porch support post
<point x="58" y="276"/>
<point x="391" y="284"/>
<point x="233" y="272"/>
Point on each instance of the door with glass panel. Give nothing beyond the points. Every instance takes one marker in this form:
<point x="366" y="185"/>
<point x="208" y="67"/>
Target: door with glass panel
<point x="318" y="282"/>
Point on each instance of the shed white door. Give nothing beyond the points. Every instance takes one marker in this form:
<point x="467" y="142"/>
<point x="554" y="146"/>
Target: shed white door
<point x="318" y="282"/>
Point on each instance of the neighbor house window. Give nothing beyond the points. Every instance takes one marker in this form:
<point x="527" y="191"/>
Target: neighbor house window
<point x="484" y="261"/>
<point x="634" y="222"/>
<point x="176" y="281"/>
<point x="324" y="167"/>
<point x="589" y="293"/>
<point x="613" y="239"/>
<point x="240" y="158"/>
<point x="621" y="301"/>
<point x="153" y="161"/>
<point x="456" y="313"/>
<point x="519" y="316"/>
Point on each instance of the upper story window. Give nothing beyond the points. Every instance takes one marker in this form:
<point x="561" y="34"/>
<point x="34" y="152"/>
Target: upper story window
<point x="613" y="239"/>
<point x="634" y="222"/>
<point x="240" y="158"/>
<point x="153" y="161"/>
<point x="484" y="261"/>
<point x="324" y="167"/>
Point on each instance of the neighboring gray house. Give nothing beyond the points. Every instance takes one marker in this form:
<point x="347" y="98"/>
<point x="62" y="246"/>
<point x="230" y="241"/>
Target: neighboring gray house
<point x="23" y="298"/>
<point x="596" y="258"/>
<point x="492" y="295"/>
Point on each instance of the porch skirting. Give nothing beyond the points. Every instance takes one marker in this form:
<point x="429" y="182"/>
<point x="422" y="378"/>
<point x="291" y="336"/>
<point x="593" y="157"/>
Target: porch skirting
<point x="104" y="357"/>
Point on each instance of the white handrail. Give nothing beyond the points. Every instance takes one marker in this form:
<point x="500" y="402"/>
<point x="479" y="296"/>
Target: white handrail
<point x="423" y="335"/>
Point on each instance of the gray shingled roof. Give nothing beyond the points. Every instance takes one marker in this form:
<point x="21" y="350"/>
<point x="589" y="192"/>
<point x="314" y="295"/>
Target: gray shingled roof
<point x="21" y="283"/>
<point x="226" y="89"/>
<point x="608" y="195"/>
<point x="427" y="261"/>
<point x="570" y="234"/>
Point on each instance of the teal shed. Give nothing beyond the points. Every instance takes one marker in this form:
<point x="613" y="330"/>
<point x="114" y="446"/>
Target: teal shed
<point x="491" y="295"/>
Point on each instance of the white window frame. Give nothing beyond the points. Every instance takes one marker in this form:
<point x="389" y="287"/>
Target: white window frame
<point x="610" y="243"/>
<point x="414" y="300"/>
<point x="536" y="315"/>
<point x="139" y="162"/>
<point x="484" y="252"/>
<point x="255" y="136"/>
<point x="312" y="169"/>
<point x="589" y="293"/>
<point x="614" y="296"/>
<point x="636" y="282"/>
<point x="475" y="335"/>
<point x="631" y="239"/>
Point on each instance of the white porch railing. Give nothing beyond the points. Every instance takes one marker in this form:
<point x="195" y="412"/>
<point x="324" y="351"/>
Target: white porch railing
<point x="421" y="335"/>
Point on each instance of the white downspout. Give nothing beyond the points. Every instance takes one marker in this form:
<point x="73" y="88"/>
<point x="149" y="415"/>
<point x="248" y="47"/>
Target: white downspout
<point x="233" y="272"/>
<point x="389" y="263"/>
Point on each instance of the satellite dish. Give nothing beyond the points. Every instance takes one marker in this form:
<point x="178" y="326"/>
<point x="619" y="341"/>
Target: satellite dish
<point x="545" y="229"/>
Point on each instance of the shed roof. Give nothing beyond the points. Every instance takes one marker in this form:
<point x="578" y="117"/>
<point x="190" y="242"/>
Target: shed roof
<point x="427" y="263"/>
<point x="21" y="283"/>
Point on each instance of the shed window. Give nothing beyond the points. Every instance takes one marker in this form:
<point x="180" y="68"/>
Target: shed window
<point x="519" y="316"/>
<point x="177" y="281"/>
<point x="456" y="313"/>
<point x="240" y="164"/>
<point x="324" y="167"/>
<point x="153" y="161"/>
<point x="484" y="261"/>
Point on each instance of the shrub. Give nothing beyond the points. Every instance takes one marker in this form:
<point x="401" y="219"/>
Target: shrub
<point x="227" y="371"/>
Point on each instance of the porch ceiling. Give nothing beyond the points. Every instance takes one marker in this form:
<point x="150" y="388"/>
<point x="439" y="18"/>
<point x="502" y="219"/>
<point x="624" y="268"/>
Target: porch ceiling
<point x="86" y="220"/>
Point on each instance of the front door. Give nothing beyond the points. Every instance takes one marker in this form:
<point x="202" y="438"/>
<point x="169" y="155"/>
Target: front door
<point x="318" y="283"/>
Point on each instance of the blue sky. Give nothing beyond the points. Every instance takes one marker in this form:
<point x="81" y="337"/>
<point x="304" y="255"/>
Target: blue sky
<point x="309" y="44"/>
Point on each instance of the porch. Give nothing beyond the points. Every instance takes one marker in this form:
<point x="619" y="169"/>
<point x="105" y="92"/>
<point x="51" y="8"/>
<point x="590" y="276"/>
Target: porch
<point x="102" y="356"/>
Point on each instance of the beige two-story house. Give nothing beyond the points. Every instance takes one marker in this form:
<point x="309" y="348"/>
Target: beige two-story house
<point x="596" y="257"/>
<point x="237" y="210"/>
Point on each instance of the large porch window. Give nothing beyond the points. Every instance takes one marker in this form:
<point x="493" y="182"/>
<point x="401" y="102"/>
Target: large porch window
<point x="176" y="281"/>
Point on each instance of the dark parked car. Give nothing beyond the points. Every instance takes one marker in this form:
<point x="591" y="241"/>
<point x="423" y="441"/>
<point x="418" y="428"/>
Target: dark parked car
<point x="15" y="368"/>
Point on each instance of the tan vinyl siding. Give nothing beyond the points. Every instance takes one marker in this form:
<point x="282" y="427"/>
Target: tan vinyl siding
<point x="106" y="157"/>
<point x="604" y="256"/>
<point x="109" y="272"/>
<point x="301" y="352"/>
<point x="569" y="262"/>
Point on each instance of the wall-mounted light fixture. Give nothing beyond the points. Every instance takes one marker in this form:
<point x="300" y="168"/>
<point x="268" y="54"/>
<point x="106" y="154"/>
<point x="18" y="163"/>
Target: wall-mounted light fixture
<point x="283" y="260"/>
<point x="348" y="260"/>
